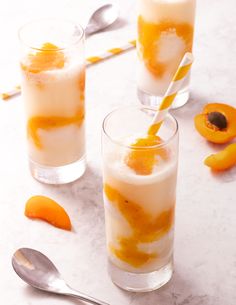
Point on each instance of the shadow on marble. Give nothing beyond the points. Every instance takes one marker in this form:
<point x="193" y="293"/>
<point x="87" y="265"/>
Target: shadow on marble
<point x="34" y="294"/>
<point x="89" y="184"/>
<point x="225" y="176"/>
<point x="179" y="291"/>
<point x="83" y="196"/>
<point x="194" y="106"/>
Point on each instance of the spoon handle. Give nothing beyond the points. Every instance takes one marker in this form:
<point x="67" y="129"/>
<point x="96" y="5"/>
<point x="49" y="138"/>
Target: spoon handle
<point x="76" y="294"/>
<point x="90" y="29"/>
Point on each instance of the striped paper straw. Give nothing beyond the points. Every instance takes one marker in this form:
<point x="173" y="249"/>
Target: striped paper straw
<point x="110" y="53"/>
<point x="7" y="95"/>
<point x="173" y="89"/>
<point x="89" y="61"/>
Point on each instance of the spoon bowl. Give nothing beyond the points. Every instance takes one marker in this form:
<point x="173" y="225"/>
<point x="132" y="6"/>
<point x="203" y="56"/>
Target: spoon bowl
<point x="37" y="270"/>
<point x="102" y="18"/>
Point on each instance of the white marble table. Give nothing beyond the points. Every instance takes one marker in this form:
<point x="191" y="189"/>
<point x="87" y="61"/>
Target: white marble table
<point x="205" y="247"/>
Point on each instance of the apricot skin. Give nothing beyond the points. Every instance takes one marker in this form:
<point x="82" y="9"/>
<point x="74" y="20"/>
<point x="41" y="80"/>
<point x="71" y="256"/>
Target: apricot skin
<point x="222" y="160"/>
<point x="210" y="132"/>
<point x="44" y="208"/>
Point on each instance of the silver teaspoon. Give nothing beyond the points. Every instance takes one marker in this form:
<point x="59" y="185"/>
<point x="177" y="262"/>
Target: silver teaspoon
<point x="37" y="270"/>
<point x="102" y="18"/>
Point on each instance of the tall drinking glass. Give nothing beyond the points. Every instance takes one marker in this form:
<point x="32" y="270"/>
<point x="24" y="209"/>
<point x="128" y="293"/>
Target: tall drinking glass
<point x="165" y="34"/>
<point x="53" y="84"/>
<point x="139" y="179"/>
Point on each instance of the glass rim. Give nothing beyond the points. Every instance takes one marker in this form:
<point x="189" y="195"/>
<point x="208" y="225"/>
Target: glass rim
<point x="165" y="143"/>
<point x="77" y="25"/>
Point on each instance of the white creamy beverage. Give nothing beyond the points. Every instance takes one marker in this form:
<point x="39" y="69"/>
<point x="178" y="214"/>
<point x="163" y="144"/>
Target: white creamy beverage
<point x="139" y="209"/>
<point x="53" y="92"/>
<point x="139" y="192"/>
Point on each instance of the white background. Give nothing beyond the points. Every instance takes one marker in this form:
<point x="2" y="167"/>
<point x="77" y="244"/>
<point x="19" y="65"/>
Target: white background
<point x="205" y="247"/>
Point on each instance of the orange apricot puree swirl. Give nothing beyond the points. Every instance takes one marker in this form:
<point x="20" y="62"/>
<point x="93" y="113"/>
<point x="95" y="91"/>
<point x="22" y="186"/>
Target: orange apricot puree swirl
<point x="145" y="228"/>
<point x="49" y="123"/>
<point x="142" y="157"/>
<point x="48" y="57"/>
<point x="149" y="35"/>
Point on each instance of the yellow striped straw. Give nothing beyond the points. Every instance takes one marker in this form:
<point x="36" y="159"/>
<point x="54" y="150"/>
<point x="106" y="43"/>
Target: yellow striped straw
<point x="110" y="53"/>
<point x="173" y="89"/>
<point x="89" y="61"/>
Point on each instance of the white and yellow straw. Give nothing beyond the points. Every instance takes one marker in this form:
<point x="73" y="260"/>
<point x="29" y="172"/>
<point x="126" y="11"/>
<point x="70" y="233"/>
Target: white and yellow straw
<point x="110" y="53"/>
<point x="89" y="61"/>
<point x="171" y="93"/>
<point x="7" y="95"/>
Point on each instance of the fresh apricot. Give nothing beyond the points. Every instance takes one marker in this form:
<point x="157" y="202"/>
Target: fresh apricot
<point x="217" y="123"/>
<point x="222" y="160"/>
<point x="46" y="209"/>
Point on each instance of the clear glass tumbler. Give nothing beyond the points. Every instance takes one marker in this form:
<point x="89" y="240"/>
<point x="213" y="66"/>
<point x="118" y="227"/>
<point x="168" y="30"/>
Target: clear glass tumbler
<point x="53" y="84"/>
<point x="139" y="179"/>
<point x="165" y="34"/>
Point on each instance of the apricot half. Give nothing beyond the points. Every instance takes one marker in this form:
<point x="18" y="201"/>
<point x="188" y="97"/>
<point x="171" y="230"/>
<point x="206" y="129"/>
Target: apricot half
<point x="222" y="160"/>
<point x="217" y="123"/>
<point x="46" y="209"/>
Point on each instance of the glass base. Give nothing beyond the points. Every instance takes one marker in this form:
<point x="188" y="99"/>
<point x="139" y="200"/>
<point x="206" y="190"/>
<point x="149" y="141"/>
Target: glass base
<point x="60" y="174"/>
<point x="140" y="282"/>
<point x="154" y="101"/>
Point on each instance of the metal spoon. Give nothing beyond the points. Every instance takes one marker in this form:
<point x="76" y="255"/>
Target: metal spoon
<point x="102" y="18"/>
<point x="37" y="270"/>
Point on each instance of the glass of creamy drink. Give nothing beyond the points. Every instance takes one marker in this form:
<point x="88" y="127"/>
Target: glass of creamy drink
<point x="53" y="86"/>
<point x="165" y="34"/>
<point x="139" y="187"/>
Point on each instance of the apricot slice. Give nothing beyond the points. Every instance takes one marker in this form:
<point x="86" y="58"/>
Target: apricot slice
<point x="222" y="160"/>
<point x="44" y="208"/>
<point x="217" y="123"/>
<point x="48" y="57"/>
<point x="142" y="157"/>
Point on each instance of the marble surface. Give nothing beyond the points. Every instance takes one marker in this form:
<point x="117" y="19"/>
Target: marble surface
<point x="205" y="247"/>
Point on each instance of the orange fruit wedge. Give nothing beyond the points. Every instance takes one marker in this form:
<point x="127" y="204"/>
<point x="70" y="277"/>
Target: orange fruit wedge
<point x="44" y="208"/>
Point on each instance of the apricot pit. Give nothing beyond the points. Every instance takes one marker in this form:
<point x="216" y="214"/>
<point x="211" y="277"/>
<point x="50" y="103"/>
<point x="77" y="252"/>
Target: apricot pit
<point x="218" y="120"/>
